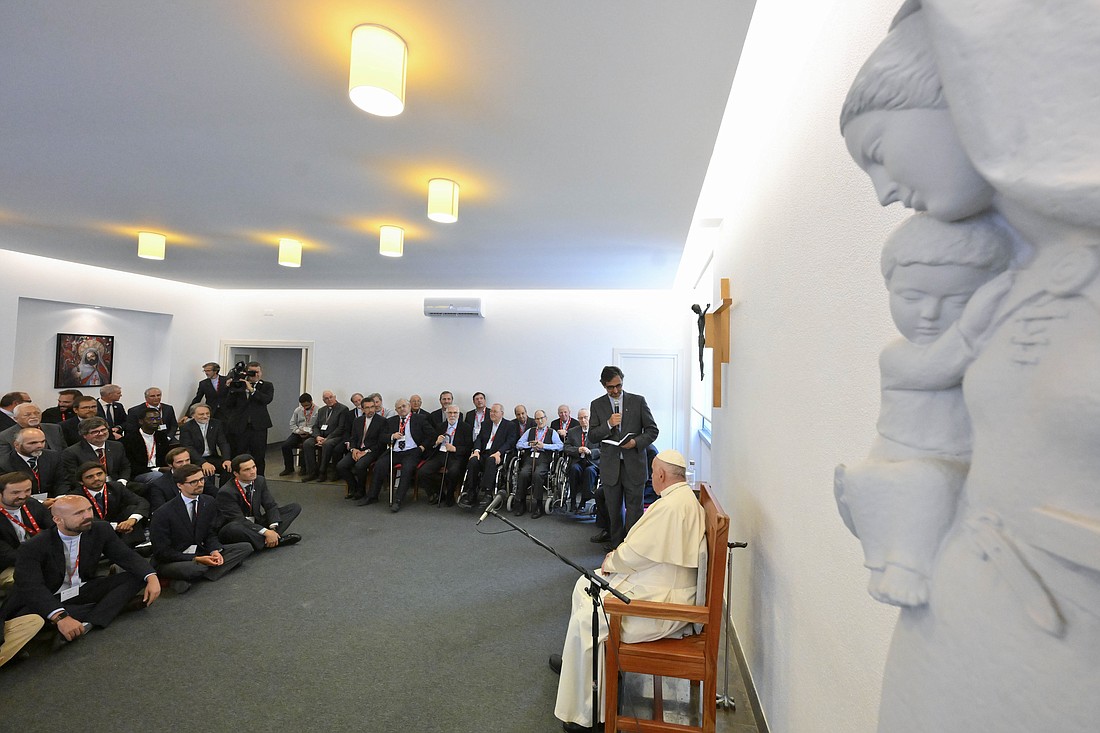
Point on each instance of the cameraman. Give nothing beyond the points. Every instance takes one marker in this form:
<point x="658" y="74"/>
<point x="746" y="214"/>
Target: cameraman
<point x="245" y="411"/>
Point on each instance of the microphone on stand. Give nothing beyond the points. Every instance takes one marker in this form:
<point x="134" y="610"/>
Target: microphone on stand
<point x="493" y="506"/>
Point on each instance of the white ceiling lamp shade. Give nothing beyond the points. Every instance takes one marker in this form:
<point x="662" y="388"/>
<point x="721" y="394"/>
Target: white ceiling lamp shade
<point x="151" y="245"/>
<point x="290" y="253"/>
<point x="378" y="62"/>
<point x="391" y="241"/>
<point x="443" y="200"/>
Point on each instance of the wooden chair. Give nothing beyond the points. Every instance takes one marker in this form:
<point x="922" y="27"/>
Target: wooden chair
<point x="693" y="657"/>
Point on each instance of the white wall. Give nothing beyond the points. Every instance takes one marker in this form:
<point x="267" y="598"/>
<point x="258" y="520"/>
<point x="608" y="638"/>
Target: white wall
<point x="800" y="242"/>
<point x="541" y="348"/>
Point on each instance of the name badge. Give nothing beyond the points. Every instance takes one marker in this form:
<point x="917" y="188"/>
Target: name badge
<point x="71" y="592"/>
<point x="163" y="427"/>
<point x="324" y="427"/>
<point x="191" y="550"/>
<point x="251" y="519"/>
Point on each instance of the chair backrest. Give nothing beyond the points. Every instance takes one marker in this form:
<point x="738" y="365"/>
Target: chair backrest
<point x="718" y="531"/>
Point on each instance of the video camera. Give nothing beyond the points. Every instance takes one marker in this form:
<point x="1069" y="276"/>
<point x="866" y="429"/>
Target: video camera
<point x="239" y="373"/>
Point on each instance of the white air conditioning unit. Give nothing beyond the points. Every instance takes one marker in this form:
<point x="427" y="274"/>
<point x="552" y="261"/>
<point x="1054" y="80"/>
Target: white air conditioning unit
<point x="453" y="307"/>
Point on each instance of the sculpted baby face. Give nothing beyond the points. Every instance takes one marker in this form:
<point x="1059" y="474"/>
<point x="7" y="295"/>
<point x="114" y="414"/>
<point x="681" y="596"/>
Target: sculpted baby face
<point x="926" y="299"/>
<point x="914" y="156"/>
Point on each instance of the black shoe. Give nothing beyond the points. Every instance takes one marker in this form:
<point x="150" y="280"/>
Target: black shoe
<point x="448" y="502"/>
<point x="289" y="539"/>
<point x="576" y="728"/>
<point x="395" y="507"/>
<point x="537" y="512"/>
<point x="286" y="472"/>
<point x="434" y="499"/>
<point x="555" y="663"/>
<point x="609" y="547"/>
<point x="354" y="497"/>
<point x="602" y="536"/>
<point x="464" y="502"/>
<point x="309" y="477"/>
<point x="366" y="500"/>
<point x="180" y="586"/>
<point x="520" y="510"/>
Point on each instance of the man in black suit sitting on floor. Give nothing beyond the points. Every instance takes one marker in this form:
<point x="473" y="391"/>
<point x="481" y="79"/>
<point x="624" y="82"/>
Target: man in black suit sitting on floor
<point x="249" y="512"/>
<point x="94" y="446"/>
<point x="55" y="572"/>
<point x="21" y="517"/>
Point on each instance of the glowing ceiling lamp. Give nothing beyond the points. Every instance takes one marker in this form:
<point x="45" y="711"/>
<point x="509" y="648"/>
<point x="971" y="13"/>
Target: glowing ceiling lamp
<point x="290" y="253"/>
<point x="151" y="245"/>
<point x="378" y="60"/>
<point x="443" y="200"/>
<point x="391" y="241"/>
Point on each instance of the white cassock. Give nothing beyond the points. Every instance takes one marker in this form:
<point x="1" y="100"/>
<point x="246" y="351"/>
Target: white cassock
<point x="658" y="561"/>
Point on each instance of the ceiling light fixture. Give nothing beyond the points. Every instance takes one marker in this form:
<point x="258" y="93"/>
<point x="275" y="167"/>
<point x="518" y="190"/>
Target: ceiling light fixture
<point x="290" y="253"/>
<point x="151" y="245"/>
<point x="443" y="200"/>
<point x="378" y="61"/>
<point x="391" y="241"/>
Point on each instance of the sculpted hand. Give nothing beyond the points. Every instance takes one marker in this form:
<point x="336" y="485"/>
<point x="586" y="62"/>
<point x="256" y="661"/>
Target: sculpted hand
<point x="983" y="305"/>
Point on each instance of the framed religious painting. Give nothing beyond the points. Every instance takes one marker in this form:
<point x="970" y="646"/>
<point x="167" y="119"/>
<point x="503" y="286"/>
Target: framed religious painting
<point x="83" y="360"/>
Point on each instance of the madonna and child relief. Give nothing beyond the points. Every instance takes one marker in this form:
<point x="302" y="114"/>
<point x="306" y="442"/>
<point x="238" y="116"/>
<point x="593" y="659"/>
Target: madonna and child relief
<point x="978" y="506"/>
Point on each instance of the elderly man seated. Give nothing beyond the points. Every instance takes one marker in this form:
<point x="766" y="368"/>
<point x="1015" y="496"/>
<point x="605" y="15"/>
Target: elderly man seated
<point x="657" y="561"/>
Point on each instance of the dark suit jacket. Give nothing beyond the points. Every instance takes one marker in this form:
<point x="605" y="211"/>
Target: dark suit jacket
<point x="637" y="419"/>
<point x="555" y="425"/>
<point x="191" y="437"/>
<point x="233" y="508"/>
<point x="55" y="440"/>
<point x="239" y="411"/>
<point x="54" y="416"/>
<point x="118" y="414"/>
<point x="463" y="438"/>
<point x="40" y="564"/>
<point x="376" y="437"/>
<point x="6" y="421"/>
<point x="213" y="397"/>
<point x="70" y="432"/>
<point x="523" y="427"/>
<point x="9" y="541"/>
<point x="573" y="443"/>
<point x="137" y="455"/>
<point x="172" y="532"/>
<point x="419" y="428"/>
<point x="118" y="465"/>
<point x="167" y="418"/>
<point x="505" y="440"/>
<point x="472" y="414"/>
<point x="121" y="502"/>
<point x="51" y="479"/>
<point x="338" y="421"/>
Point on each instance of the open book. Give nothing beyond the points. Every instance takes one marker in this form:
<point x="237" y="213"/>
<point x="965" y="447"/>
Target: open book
<point x="625" y="439"/>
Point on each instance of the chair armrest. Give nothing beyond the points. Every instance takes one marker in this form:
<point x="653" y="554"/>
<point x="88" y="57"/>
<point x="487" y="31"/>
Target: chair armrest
<point x="651" y="609"/>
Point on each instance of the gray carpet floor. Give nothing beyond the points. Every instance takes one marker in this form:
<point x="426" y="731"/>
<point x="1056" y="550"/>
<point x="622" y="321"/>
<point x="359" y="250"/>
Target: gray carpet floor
<point x="374" y="622"/>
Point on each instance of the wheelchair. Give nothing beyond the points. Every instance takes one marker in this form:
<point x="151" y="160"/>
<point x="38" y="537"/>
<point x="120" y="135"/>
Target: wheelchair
<point x="556" y="490"/>
<point x="500" y="482"/>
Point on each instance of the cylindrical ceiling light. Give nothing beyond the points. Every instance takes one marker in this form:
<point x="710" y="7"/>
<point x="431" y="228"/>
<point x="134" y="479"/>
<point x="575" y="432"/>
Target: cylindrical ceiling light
<point x="391" y="241"/>
<point x="290" y="253"/>
<point x="378" y="61"/>
<point x="151" y="245"/>
<point x="443" y="200"/>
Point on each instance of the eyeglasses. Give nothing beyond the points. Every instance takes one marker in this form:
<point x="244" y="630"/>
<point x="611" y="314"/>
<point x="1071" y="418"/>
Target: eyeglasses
<point x="98" y="431"/>
<point x="610" y="387"/>
<point x="194" y="482"/>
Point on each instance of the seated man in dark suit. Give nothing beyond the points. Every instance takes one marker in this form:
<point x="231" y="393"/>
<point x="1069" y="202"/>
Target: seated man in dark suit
<point x="8" y="403"/>
<point x="248" y="511"/>
<point x="21" y="517"/>
<point x="55" y="572"/>
<point x="43" y="466"/>
<point x="27" y="415"/>
<point x="564" y="423"/>
<point x="163" y="489"/>
<point x="497" y="439"/>
<point x="409" y="436"/>
<point x="114" y="503"/>
<point x="84" y="408"/>
<point x="208" y="443"/>
<point x="147" y="447"/>
<point x="538" y="447"/>
<point x="166" y="414"/>
<point x="368" y="441"/>
<point x="523" y="422"/>
<point x="64" y="410"/>
<point x="452" y="449"/>
<point x="94" y="446"/>
<point x="330" y="430"/>
<point x="212" y="389"/>
<point x="185" y="538"/>
<point x="437" y="417"/>
<point x="584" y="467"/>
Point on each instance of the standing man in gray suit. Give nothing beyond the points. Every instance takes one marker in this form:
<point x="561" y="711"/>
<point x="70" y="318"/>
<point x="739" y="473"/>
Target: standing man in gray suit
<point x="615" y="416"/>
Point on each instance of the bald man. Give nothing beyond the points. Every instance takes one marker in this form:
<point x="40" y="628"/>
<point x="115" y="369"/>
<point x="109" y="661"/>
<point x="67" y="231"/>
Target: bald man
<point x="55" y="572"/>
<point x="657" y="561"/>
<point x="27" y="415"/>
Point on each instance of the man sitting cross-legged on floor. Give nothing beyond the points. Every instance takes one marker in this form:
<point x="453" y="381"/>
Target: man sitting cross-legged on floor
<point x="249" y="511"/>
<point x="185" y="536"/>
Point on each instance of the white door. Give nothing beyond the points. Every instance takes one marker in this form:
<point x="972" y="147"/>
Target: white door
<point x="656" y="376"/>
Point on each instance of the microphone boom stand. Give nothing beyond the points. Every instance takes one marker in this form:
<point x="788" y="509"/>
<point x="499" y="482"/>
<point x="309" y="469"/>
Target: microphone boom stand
<point x="596" y="583"/>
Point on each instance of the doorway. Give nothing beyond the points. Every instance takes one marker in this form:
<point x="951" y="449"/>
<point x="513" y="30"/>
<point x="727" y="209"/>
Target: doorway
<point x="287" y="365"/>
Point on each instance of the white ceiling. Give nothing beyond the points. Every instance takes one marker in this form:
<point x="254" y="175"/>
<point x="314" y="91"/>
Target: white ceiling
<point x="580" y="133"/>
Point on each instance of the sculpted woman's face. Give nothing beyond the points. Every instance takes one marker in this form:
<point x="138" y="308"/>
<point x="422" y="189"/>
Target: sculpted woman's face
<point x="914" y="156"/>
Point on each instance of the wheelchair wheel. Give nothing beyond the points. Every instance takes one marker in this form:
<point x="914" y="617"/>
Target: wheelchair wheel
<point x="548" y="504"/>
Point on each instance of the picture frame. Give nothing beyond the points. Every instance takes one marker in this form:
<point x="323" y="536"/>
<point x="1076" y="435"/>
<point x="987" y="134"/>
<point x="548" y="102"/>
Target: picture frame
<point x="83" y="360"/>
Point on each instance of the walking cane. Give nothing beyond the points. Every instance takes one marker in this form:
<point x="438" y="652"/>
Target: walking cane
<point x="391" y="470"/>
<point x="443" y="479"/>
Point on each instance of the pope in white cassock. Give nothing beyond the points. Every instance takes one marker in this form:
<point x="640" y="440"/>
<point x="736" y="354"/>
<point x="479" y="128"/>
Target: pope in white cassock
<point x="658" y="561"/>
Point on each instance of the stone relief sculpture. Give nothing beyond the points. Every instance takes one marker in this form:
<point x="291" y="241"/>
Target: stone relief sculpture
<point x="990" y="108"/>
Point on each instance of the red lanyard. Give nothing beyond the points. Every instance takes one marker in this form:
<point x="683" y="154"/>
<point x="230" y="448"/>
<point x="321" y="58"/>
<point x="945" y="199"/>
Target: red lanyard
<point x="308" y="413"/>
<point x="241" y="490"/>
<point x="401" y="428"/>
<point x="540" y="435"/>
<point x="32" y="530"/>
<point x="91" y="498"/>
<point x="152" y="451"/>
